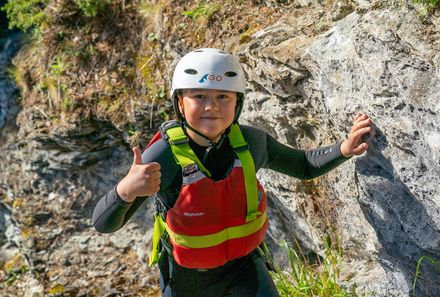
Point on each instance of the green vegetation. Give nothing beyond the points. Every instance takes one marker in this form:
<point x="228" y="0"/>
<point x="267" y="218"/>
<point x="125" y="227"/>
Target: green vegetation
<point x="311" y="279"/>
<point x="58" y="67"/>
<point x="25" y="14"/>
<point x="153" y="37"/>
<point x="91" y="8"/>
<point x="432" y="261"/>
<point x="131" y="130"/>
<point x="13" y="275"/>
<point x="204" y="10"/>
<point x="13" y="268"/>
<point x="428" y="3"/>
<point x="29" y="14"/>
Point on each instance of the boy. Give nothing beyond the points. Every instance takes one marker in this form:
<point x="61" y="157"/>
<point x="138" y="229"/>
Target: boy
<point x="210" y="209"/>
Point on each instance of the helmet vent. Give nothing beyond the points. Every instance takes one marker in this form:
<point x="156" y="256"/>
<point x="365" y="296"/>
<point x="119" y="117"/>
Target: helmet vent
<point x="222" y="52"/>
<point x="190" y="71"/>
<point x="231" y="74"/>
<point x="198" y="51"/>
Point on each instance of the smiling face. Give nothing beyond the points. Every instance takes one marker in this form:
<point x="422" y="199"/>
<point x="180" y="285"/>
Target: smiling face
<point x="208" y="111"/>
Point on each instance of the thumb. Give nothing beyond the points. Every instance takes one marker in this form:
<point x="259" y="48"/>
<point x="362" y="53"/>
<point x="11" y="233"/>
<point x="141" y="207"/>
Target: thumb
<point x="137" y="158"/>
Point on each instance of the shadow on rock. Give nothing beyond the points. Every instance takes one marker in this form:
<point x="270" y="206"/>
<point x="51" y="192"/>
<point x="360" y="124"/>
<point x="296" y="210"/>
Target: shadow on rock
<point x="404" y="228"/>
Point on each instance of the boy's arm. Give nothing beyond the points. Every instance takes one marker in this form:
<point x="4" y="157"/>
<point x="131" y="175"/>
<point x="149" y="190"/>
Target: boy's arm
<point x="312" y="163"/>
<point x="112" y="212"/>
<point x="302" y="164"/>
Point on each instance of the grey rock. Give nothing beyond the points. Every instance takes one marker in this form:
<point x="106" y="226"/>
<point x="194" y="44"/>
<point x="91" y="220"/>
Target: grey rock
<point x="386" y="203"/>
<point x="8" y="107"/>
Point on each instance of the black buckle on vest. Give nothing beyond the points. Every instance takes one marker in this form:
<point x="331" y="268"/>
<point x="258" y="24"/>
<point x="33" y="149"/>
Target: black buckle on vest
<point x="242" y="148"/>
<point x="182" y="141"/>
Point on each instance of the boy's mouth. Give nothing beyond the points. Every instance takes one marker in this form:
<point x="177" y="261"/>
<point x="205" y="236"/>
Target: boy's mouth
<point x="211" y="118"/>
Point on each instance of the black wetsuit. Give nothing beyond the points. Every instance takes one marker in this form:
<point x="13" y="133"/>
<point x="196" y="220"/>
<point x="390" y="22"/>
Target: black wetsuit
<point x="243" y="277"/>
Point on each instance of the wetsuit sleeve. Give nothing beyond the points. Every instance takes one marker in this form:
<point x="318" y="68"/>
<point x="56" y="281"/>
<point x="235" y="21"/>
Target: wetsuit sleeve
<point x="302" y="164"/>
<point x="267" y="152"/>
<point x="112" y="212"/>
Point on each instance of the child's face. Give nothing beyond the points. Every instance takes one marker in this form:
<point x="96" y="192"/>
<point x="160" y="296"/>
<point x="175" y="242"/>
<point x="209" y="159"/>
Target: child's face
<point x="208" y="111"/>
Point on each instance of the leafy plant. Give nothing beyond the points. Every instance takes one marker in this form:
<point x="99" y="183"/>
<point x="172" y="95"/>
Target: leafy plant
<point x="132" y="130"/>
<point x="311" y="279"/>
<point x="153" y="37"/>
<point x="25" y="14"/>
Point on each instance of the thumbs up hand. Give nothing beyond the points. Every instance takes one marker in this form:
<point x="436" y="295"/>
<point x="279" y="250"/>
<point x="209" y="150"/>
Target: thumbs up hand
<point x="141" y="180"/>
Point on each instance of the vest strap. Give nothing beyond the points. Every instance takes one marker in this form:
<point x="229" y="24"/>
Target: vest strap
<point x="182" y="152"/>
<point x="158" y="231"/>
<point x="250" y="180"/>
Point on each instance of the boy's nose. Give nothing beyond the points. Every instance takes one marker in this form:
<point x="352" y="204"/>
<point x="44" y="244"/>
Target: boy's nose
<point x="211" y="103"/>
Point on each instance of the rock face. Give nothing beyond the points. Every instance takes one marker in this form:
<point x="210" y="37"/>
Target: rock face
<point x="385" y="203"/>
<point x="304" y="91"/>
<point x="8" y="106"/>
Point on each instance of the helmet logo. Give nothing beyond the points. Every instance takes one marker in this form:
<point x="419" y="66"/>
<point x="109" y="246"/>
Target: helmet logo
<point x="210" y="77"/>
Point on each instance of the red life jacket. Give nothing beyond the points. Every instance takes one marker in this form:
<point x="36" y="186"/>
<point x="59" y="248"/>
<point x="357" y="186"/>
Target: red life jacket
<point x="213" y="222"/>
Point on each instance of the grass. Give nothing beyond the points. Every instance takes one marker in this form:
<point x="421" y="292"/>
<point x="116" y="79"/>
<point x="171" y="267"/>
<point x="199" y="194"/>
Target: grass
<point x="311" y="279"/>
<point x="416" y="276"/>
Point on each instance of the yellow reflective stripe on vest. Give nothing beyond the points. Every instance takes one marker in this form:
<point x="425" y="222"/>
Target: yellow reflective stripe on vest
<point x="182" y="152"/>
<point x="206" y="241"/>
<point x="250" y="180"/>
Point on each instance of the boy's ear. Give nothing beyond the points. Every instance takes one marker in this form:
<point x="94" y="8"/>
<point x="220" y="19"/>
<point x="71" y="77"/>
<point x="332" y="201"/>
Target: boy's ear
<point x="180" y="103"/>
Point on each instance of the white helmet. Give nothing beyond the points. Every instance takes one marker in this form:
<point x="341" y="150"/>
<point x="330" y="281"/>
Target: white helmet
<point x="209" y="68"/>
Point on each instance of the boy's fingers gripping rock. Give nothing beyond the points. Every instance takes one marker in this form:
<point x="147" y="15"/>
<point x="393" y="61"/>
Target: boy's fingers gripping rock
<point x="360" y="149"/>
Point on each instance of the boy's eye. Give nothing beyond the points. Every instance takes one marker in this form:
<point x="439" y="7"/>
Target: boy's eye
<point x="223" y="96"/>
<point x="198" y="96"/>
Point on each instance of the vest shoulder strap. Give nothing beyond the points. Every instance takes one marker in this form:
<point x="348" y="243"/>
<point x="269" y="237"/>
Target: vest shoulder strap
<point x="241" y="148"/>
<point x="182" y="152"/>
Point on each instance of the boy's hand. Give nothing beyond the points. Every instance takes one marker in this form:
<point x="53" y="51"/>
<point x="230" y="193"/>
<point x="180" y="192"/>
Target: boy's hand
<point x="141" y="180"/>
<point x="354" y="144"/>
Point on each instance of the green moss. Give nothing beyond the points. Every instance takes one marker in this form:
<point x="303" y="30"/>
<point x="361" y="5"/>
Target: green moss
<point x="429" y="3"/>
<point x="204" y="10"/>
<point x="145" y="66"/>
<point x="149" y="10"/>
